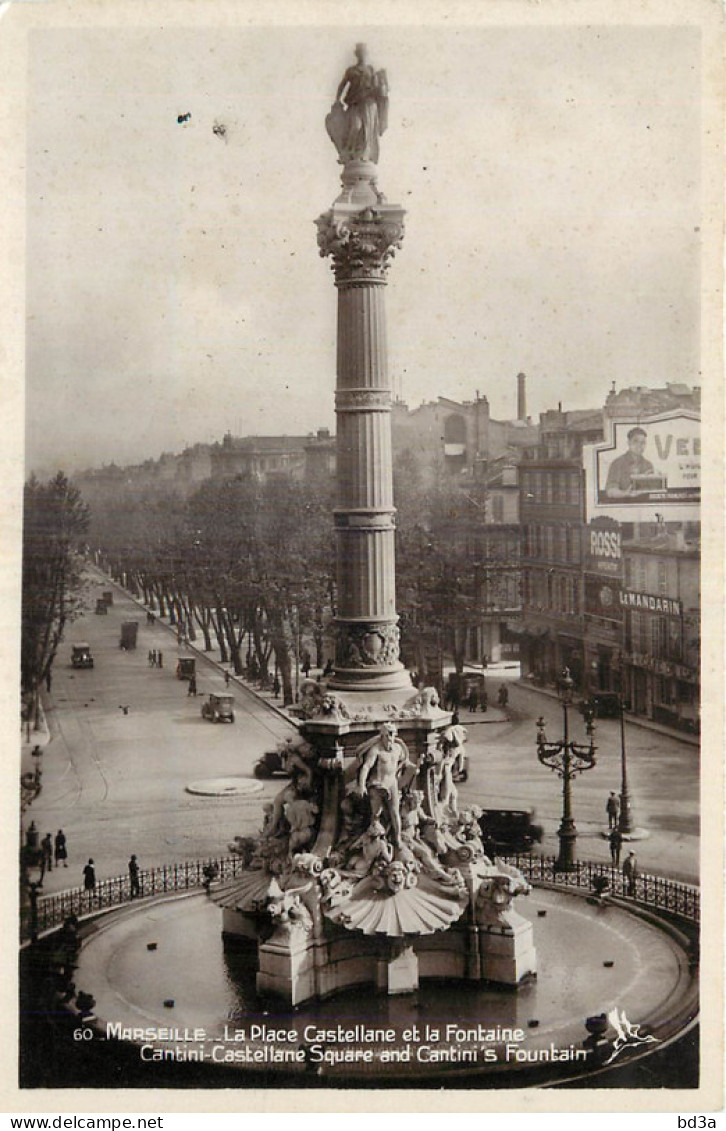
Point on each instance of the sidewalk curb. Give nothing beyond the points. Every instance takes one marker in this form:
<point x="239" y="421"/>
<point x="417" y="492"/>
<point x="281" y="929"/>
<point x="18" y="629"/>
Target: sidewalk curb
<point x="636" y="720"/>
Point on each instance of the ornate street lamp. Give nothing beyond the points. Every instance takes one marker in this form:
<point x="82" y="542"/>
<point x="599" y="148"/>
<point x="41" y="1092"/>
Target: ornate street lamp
<point x="626" y="822"/>
<point x="566" y="758"/>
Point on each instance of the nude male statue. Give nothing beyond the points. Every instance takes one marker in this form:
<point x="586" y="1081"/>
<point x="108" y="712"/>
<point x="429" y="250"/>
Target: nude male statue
<point x="384" y="757"/>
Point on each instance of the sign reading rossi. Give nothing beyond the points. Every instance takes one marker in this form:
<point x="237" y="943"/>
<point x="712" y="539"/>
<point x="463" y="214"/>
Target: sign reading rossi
<point x="603" y="548"/>
<point x="646" y="464"/>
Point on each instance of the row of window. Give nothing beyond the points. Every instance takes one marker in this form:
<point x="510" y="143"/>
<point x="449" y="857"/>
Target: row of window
<point x="554" y="592"/>
<point x="547" y="485"/>
<point x="660" y="637"/>
<point x="552" y="543"/>
<point x="653" y="580"/>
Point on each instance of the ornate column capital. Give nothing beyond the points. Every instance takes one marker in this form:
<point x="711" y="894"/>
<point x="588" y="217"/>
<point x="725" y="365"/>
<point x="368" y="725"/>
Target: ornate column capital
<point x="361" y="244"/>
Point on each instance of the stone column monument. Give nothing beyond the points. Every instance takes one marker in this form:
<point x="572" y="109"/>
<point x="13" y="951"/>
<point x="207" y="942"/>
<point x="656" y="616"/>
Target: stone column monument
<point x="361" y="233"/>
<point x="366" y="869"/>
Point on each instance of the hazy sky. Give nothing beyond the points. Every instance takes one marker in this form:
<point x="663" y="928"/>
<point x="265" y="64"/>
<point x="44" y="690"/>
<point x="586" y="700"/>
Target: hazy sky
<point x="174" y="288"/>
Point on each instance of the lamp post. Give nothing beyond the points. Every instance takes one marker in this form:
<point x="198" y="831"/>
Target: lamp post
<point x="566" y="758"/>
<point x="626" y="822"/>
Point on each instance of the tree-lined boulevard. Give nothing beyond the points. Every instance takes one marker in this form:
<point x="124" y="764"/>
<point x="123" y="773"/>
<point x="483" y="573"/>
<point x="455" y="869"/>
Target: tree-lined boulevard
<point x="116" y="783"/>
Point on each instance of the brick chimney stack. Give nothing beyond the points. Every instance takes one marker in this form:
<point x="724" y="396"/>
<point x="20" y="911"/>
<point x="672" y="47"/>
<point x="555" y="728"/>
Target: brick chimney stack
<point x="521" y="397"/>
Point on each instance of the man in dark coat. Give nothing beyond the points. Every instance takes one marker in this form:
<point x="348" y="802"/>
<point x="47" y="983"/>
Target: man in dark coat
<point x="134" y="876"/>
<point x="630" y="872"/>
<point x="89" y="876"/>
<point x="61" y="852"/>
<point x="616" y="843"/>
<point x="47" y="848"/>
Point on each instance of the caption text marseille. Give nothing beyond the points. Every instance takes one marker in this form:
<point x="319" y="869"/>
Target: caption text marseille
<point x="341" y="1044"/>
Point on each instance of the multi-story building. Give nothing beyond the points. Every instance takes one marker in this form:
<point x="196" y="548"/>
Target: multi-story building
<point x="262" y="457"/>
<point x="455" y="438"/>
<point x="660" y="602"/>
<point x="552" y="516"/>
<point x="610" y="570"/>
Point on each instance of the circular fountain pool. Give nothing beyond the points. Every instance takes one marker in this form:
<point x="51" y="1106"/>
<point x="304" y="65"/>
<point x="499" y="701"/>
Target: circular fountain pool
<point x="164" y="981"/>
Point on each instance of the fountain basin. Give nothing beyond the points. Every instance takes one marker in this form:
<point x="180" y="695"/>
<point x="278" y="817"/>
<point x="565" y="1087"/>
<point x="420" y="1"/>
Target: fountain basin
<point x="443" y="1030"/>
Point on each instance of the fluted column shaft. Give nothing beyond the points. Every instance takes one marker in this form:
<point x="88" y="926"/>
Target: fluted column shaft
<point x="361" y="243"/>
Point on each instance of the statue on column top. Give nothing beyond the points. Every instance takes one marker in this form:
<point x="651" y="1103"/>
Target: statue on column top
<point x="359" y="114"/>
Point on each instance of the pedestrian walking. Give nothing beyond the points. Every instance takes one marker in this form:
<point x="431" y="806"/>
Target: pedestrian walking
<point x="276" y="686"/>
<point x="306" y="663"/>
<point x="192" y="685"/>
<point x="151" y="658"/>
<point x="612" y="808"/>
<point x="484" y="702"/>
<point x="159" y="660"/>
<point x="46" y="846"/>
<point x="89" y="876"/>
<point x="473" y="700"/>
<point x="630" y="872"/>
<point x="616" y="843"/>
<point x="227" y="678"/>
<point x="61" y="852"/>
<point x="134" y="876"/>
<point x="503" y="696"/>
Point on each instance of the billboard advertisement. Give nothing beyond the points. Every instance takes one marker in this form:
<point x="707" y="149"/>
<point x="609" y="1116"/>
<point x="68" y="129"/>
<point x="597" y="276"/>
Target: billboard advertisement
<point x="646" y="466"/>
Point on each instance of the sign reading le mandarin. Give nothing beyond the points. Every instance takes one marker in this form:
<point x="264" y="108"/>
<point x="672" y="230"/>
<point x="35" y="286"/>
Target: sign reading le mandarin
<point x="646" y="464"/>
<point x="649" y="603"/>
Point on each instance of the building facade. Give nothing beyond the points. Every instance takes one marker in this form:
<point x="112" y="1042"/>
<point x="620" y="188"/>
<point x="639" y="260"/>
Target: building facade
<point x="552" y="515"/>
<point x="615" y="601"/>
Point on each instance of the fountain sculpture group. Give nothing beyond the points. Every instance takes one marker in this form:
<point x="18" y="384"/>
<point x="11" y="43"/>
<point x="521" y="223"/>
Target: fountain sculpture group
<point x="367" y="870"/>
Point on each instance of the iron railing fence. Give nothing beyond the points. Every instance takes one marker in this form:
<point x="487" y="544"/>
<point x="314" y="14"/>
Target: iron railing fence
<point x="52" y="910"/>
<point x="653" y="891"/>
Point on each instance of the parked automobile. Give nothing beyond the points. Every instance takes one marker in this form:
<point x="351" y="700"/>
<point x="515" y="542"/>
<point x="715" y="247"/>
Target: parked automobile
<point x="509" y="830"/>
<point x="602" y="705"/>
<point x="219" y="709"/>
<point x="275" y="762"/>
<point x="185" y="667"/>
<point x="129" y="629"/>
<point x="81" y="656"/>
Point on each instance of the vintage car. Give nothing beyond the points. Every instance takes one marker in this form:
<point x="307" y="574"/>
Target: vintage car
<point x="275" y="762"/>
<point x="185" y="667"/>
<point x="506" y="831"/>
<point x="129" y="630"/>
<point x="81" y="656"/>
<point x="219" y="709"/>
<point x="601" y="705"/>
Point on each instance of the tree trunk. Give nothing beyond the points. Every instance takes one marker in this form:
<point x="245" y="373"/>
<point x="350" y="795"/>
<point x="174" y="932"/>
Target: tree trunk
<point x="282" y="655"/>
<point x="216" y="619"/>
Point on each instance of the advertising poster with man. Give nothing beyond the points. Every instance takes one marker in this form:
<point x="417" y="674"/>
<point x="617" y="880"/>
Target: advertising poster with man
<point x="645" y="463"/>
